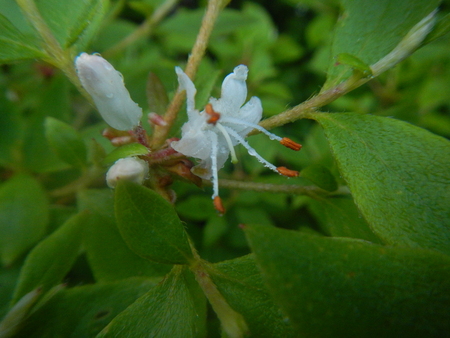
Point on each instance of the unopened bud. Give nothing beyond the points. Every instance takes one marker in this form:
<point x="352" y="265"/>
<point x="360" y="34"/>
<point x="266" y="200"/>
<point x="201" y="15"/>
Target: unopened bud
<point x="106" y="87"/>
<point x="130" y="169"/>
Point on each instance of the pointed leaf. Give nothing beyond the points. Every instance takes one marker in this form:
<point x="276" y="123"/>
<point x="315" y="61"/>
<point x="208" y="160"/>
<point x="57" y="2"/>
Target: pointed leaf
<point x="23" y="216"/>
<point x="51" y="259"/>
<point x="398" y="175"/>
<point x="174" y="308"/>
<point x="333" y="287"/>
<point x="149" y="225"/>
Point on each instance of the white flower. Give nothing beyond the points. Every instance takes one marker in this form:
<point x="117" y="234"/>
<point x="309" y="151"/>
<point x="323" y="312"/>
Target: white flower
<point x="210" y="135"/>
<point x="129" y="168"/>
<point x="106" y="87"/>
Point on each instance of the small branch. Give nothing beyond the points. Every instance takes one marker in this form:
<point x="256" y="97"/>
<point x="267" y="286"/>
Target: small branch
<point x="144" y="30"/>
<point x="308" y="108"/>
<point x="201" y="43"/>
<point x="310" y="190"/>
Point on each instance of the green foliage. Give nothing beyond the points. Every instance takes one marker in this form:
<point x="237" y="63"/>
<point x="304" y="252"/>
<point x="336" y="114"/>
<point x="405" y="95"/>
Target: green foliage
<point x="23" y="216"/>
<point x="51" y="259"/>
<point x="66" y="142"/>
<point x="382" y="160"/>
<point x="173" y="308"/>
<point x="335" y="287"/>
<point x="356" y="245"/>
<point x="369" y="30"/>
<point x="150" y="226"/>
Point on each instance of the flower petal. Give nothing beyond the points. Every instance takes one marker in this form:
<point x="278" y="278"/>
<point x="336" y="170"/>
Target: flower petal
<point x="234" y="91"/>
<point x="106" y="87"/>
<point x="187" y="84"/>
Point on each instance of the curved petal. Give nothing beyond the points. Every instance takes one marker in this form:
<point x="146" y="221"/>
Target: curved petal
<point x="251" y="112"/>
<point x="234" y="90"/>
<point x="187" y="84"/>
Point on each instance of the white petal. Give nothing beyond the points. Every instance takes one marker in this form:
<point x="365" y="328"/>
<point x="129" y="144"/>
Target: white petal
<point x="251" y="112"/>
<point x="194" y="143"/>
<point x="234" y="90"/>
<point x="106" y="87"/>
<point x="187" y="84"/>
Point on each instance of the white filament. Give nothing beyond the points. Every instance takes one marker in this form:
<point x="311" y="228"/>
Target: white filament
<point x="233" y="120"/>
<point x="250" y="150"/>
<point x="234" y="159"/>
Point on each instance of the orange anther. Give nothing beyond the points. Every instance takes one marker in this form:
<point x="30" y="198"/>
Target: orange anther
<point x="215" y="116"/>
<point x="217" y="201"/>
<point x="288" y="143"/>
<point x="287" y="172"/>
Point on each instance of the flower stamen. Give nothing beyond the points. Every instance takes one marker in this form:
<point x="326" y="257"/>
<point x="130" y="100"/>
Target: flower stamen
<point x="215" y="116"/>
<point x="250" y="150"/>
<point x="217" y="201"/>
<point x="288" y="143"/>
<point x="287" y="172"/>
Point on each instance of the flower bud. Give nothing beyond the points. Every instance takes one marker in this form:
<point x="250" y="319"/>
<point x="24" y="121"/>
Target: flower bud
<point x="129" y="168"/>
<point x="107" y="89"/>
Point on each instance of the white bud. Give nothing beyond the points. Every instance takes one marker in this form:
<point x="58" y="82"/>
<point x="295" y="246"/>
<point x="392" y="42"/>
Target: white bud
<point x="130" y="169"/>
<point x="106" y="87"/>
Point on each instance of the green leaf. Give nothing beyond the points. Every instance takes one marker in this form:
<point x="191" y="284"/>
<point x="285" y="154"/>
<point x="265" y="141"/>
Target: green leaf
<point x="70" y="20"/>
<point x="332" y="287"/>
<point x="85" y="310"/>
<point x="240" y="282"/>
<point x="14" y="45"/>
<point x="368" y="30"/>
<point x="23" y="216"/>
<point x="51" y="259"/>
<point x="320" y="176"/>
<point x="174" y="308"/>
<point x="340" y="217"/>
<point x="109" y="257"/>
<point x="66" y="142"/>
<point x="132" y="149"/>
<point x="149" y="225"/>
<point x="398" y="175"/>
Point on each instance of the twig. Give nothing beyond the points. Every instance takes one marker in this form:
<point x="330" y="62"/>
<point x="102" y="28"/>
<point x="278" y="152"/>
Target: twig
<point x="201" y="43"/>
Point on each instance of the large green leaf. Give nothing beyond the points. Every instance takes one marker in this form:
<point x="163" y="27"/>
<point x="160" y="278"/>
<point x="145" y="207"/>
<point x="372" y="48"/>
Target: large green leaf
<point x="149" y="225"/>
<point x="174" y="308"/>
<point x="14" y="45"/>
<point x="108" y="255"/>
<point x="398" y="174"/>
<point x="240" y="282"/>
<point x="23" y="216"/>
<point x="332" y="287"/>
<point x="51" y="259"/>
<point x="84" y="311"/>
<point x="369" y="30"/>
